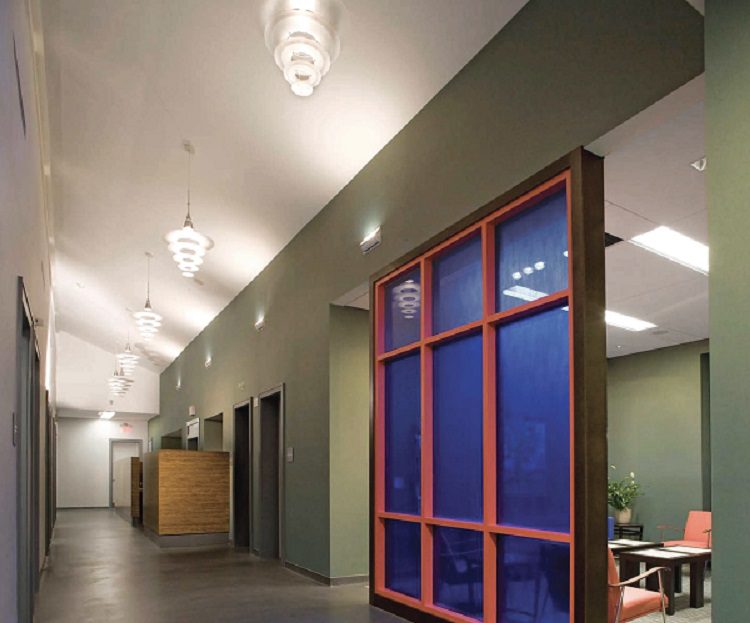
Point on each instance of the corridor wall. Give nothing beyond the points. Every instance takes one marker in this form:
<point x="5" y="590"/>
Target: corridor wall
<point x="549" y="82"/>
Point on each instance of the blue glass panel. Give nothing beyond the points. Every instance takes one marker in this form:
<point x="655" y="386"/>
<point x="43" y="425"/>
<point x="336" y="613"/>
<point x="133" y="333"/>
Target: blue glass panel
<point x="531" y="253"/>
<point x="457" y="285"/>
<point x="459" y="570"/>
<point x="457" y="429"/>
<point x="533" y="422"/>
<point x="403" y="557"/>
<point x="402" y="304"/>
<point x="402" y="435"/>
<point x="533" y="581"/>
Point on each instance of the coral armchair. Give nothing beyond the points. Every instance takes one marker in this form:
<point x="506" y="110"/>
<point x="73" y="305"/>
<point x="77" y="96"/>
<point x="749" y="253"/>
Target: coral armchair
<point x="697" y="530"/>
<point x="628" y="603"/>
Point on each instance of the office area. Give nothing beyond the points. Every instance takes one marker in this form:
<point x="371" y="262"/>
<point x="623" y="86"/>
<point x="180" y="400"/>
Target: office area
<point x="297" y="342"/>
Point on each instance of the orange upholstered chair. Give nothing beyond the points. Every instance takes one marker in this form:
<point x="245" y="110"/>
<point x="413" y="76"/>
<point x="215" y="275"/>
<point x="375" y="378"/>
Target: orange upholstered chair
<point x="627" y="603"/>
<point x="697" y="530"/>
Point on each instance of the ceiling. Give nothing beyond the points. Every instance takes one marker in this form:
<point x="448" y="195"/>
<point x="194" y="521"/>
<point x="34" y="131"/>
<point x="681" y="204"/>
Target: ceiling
<point x="128" y="81"/>
<point x="648" y="181"/>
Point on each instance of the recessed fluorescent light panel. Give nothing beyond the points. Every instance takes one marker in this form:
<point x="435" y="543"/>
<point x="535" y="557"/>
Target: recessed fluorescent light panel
<point x="106" y="415"/>
<point x="676" y="247"/>
<point x="626" y="322"/>
<point x="524" y="293"/>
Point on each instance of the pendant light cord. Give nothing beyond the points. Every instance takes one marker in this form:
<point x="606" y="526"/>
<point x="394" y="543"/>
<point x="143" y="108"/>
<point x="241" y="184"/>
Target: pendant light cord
<point x="188" y="147"/>
<point x="148" y="280"/>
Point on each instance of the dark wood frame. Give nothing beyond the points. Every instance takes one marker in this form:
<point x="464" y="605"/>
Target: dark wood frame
<point x="588" y="373"/>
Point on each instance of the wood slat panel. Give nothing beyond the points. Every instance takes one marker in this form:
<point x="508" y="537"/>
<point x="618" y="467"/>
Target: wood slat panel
<point x="193" y="493"/>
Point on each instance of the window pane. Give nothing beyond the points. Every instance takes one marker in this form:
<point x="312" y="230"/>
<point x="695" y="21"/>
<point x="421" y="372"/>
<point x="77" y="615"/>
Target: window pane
<point x="531" y="253"/>
<point x="457" y="285"/>
<point x="403" y="557"/>
<point x="402" y="435"/>
<point x="459" y="571"/>
<point x="403" y="301"/>
<point x="457" y="428"/>
<point x="533" y="581"/>
<point x="533" y="414"/>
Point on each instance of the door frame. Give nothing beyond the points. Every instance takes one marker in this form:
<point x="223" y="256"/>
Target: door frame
<point x="249" y="404"/>
<point x="280" y="390"/>
<point x="112" y="441"/>
<point x="26" y="427"/>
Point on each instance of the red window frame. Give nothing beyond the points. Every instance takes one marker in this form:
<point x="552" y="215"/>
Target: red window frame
<point x="581" y="512"/>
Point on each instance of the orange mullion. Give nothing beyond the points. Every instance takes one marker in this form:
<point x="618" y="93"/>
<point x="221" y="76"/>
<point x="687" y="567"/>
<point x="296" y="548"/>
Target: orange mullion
<point x="398" y="352"/>
<point x="426" y="464"/>
<point x="531" y="533"/>
<point x="379" y="444"/>
<point x="489" y="446"/>
<point x="530" y="308"/>
<point x="453" y="333"/>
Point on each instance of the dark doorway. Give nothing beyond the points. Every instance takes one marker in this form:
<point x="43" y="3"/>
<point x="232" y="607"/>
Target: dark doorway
<point x="268" y="479"/>
<point x="26" y="427"/>
<point x="706" y="429"/>
<point x="241" y="482"/>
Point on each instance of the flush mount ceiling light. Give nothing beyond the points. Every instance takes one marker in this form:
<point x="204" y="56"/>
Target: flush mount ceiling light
<point x="628" y="323"/>
<point x="303" y="37"/>
<point x="675" y="246"/>
<point x="188" y="247"/>
<point x="148" y="320"/>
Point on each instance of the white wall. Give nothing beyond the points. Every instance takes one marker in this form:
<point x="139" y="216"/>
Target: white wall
<point x="83" y="459"/>
<point x="23" y="252"/>
<point x="82" y="373"/>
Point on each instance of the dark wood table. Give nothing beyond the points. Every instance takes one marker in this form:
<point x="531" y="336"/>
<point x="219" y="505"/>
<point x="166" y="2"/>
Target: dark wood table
<point x="630" y="566"/>
<point x="629" y="531"/>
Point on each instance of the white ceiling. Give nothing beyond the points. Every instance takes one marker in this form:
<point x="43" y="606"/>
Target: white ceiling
<point x="128" y="81"/>
<point x="648" y="181"/>
<point x="82" y="373"/>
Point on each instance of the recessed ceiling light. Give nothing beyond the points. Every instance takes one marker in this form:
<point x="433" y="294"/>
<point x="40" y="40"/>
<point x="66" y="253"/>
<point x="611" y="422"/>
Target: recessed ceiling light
<point x="699" y="165"/>
<point x="615" y="319"/>
<point x="106" y="415"/>
<point x="676" y="247"/>
<point x="524" y="293"/>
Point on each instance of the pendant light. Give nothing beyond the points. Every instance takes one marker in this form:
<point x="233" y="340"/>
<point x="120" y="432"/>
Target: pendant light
<point x="188" y="247"/>
<point x="119" y="384"/>
<point x="148" y="320"/>
<point x="127" y="359"/>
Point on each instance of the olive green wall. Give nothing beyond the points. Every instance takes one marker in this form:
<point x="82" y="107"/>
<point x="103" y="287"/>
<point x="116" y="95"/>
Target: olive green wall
<point x="558" y="76"/>
<point x="654" y="430"/>
<point x="350" y="440"/>
<point x="728" y="134"/>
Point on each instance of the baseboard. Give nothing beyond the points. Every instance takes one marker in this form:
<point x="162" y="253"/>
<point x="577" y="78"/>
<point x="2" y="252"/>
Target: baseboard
<point x="218" y="539"/>
<point x="325" y="580"/>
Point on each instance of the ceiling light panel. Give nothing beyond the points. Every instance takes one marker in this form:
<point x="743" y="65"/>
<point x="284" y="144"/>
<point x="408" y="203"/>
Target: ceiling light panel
<point x="629" y="323"/>
<point x="676" y="247"/>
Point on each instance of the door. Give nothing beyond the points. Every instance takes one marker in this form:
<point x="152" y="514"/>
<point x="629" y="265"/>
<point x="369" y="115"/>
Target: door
<point x="241" y="477"/>
<point x="119" y="487"/>
<point x="268" y="476"/>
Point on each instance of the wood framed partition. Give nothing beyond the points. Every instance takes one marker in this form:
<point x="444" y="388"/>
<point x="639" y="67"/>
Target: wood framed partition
<point x="488" y="431"/>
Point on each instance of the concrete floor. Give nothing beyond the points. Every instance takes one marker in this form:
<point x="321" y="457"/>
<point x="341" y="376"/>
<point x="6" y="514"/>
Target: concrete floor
<point x="102" y="570"/>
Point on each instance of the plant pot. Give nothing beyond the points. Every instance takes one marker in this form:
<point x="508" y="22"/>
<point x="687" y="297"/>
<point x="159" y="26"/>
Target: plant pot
<point x="624" y="516"/>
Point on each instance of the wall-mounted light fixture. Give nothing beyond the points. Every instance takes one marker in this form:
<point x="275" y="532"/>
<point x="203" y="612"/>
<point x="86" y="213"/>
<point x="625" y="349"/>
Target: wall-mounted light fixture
<point x="370" y="241"/>
<point x="208" y="362"/>
<point x="260" y="323"/>
<point x="699" y="165"/>
<point x="178" y="387"/>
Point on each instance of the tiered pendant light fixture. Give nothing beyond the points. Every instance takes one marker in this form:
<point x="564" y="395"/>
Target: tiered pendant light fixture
<point x="119" y="384"/>
<point x="188" y="246"/>
<point x="303" y="37"/>
<point x="148" y="320"/>
<point x="127" y="359"/>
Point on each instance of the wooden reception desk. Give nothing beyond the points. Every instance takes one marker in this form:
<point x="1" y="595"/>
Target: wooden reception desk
<point x="186" y="497"/>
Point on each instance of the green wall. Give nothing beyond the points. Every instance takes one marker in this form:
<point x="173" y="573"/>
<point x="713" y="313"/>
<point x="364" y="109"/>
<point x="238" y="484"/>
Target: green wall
<point x="654" y="430"/>
<point x="728" y="138"/>
<point x="350" y="440"/>
<point x="552" y="80"/>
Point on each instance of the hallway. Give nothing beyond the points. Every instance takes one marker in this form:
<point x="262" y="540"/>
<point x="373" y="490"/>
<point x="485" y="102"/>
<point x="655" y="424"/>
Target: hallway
<point x="100" y="569"/>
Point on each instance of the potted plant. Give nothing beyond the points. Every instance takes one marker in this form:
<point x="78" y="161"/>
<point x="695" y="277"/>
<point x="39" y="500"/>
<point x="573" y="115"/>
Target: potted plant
<point x="620" y="496"/>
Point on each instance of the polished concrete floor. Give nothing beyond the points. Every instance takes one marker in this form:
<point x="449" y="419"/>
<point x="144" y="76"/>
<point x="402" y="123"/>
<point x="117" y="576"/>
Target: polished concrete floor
<point x="102" y="570"/>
